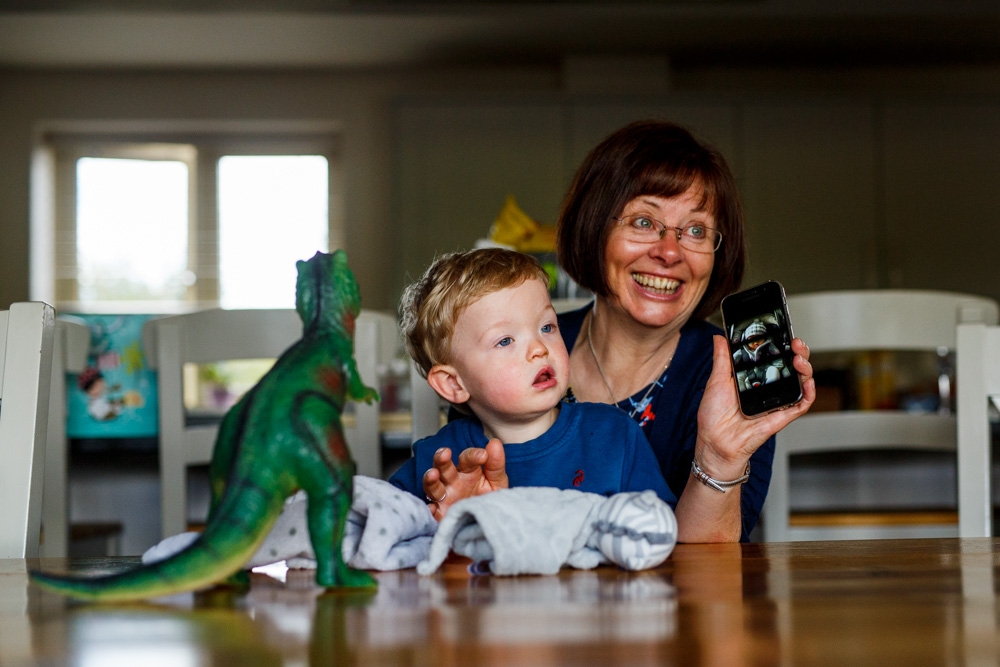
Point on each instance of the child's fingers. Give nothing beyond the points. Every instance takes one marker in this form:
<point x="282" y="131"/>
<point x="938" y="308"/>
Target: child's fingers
<point x="495" y="465"/>
<point x="470" y="459"/>
<point x="434" y="487"/>
<point x="444" y="465"/>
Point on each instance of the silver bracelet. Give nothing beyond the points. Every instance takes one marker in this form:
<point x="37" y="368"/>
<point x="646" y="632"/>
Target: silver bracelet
<point x="721" y="487"/>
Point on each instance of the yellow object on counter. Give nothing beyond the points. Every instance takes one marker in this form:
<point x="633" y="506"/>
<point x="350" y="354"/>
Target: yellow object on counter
<point x="513" y="227"/>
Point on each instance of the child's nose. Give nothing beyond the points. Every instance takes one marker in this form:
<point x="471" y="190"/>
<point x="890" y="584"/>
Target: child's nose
<point x="538" y="348"/>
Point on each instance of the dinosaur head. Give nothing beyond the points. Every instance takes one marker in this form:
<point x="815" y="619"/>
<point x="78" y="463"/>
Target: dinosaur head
<point x="326" y="293"/>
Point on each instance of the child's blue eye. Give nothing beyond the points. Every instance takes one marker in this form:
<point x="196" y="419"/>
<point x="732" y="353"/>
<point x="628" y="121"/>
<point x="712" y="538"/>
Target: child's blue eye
<point x="547" y="328"/>
<point x="504" y="342"/>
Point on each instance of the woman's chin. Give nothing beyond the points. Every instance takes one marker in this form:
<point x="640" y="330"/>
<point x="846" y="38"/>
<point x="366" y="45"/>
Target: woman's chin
<point x="659" y="312"/>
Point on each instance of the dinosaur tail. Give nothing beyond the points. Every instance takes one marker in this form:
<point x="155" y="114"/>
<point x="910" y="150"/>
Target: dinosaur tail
<point x="226" y="545"/>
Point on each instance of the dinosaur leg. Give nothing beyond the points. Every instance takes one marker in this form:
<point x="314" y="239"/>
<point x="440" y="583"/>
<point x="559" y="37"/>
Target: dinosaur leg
<point x="326" y="472"/>
<point x="327" y="516"/>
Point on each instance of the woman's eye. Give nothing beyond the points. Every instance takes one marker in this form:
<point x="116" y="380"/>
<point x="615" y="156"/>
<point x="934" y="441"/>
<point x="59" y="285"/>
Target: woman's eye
<point x="696" y="231"/>
<point x="640" y="222"/>
<point x="505" y="341"/>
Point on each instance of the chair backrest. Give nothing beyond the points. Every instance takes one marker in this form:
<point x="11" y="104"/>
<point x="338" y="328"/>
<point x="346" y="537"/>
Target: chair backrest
<point x="26" y="339"/>
<point x="426" y="405"/>
<point x="69" y="355"/>
<point x="978" y="384"/>
<point x="869" y="320"/>
<point x="222" y="335"/>
<point x="884" y="319"/>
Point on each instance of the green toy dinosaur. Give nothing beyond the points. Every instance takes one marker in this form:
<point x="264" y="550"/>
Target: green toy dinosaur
<point x="282" y="436"/>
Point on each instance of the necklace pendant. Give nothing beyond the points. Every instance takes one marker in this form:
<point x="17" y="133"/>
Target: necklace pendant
<point x="614" y="401"/>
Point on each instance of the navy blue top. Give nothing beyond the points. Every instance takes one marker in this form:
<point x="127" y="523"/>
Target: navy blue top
<point x="591" y="447"/>
<point x="670" y="420"/>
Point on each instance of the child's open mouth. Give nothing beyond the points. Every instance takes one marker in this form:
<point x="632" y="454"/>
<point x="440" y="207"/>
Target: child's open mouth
<point x="545" y="378"/>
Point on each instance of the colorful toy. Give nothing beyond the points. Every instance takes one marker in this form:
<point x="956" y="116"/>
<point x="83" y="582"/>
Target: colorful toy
<point x="282" y="436"/>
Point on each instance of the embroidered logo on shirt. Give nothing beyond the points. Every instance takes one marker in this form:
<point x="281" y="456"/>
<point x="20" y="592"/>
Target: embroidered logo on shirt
<point x="647" y="415"/>
<point x="578" y="478"/>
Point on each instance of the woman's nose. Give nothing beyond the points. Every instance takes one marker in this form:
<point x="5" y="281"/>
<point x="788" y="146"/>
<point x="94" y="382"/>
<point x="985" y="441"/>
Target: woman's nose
<point x="668" y="247"/>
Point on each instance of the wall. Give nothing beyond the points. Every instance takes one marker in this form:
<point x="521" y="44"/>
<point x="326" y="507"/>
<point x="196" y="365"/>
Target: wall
<point x="883" y="134"/>
<point x="843" y="190"/>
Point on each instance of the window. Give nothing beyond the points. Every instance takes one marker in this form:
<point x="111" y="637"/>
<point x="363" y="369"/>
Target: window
<point x="160" y="222"/>
<point x="273" y="208"/>
<point x="124" y="206"/>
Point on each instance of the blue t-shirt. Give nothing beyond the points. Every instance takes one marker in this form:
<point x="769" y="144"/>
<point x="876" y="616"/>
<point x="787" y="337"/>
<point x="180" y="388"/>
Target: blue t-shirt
<point x="590" y="447"/>
<point x="670" y="418"/>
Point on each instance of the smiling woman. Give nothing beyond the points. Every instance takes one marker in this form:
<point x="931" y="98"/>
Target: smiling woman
<point x="653" y="226"/>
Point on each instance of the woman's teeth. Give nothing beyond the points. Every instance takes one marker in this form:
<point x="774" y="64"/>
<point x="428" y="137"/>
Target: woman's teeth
<point x="665" y="285"/>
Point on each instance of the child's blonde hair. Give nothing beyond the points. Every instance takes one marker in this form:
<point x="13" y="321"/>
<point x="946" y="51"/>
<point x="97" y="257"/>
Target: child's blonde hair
<point x="430" y="306"/>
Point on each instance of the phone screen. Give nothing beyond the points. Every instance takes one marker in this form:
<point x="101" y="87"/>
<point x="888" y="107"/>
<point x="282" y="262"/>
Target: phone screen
<point x="760" y="345"/>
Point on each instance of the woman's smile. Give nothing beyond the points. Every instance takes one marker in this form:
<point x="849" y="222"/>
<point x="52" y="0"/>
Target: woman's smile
<point x="656" y="283"/>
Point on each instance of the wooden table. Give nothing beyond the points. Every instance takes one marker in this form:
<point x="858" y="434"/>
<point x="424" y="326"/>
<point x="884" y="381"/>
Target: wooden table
<point x="903" y="602"/>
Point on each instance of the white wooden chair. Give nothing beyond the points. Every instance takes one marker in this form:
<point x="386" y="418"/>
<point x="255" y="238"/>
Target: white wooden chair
<point x="426" y="405"/>
<point x="69" y="355"/>
<point x="869" y="320"/>
<point x="26" y="340"/>
<point x="978" y="380"/>
<point x="219" y="335"/>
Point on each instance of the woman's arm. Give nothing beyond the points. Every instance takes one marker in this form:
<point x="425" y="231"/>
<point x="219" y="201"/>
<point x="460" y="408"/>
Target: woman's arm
<point x="726" y="441"/>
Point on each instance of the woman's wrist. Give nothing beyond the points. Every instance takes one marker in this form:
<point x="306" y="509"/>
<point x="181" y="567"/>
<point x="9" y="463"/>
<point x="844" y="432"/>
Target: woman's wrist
<point x="717" y="465"/>
<point x="720" y="485"/>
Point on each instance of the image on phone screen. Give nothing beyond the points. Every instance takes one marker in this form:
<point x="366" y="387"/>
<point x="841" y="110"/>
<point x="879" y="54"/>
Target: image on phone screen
<point x="761" y="349"/>
<point x="760" y="344"/>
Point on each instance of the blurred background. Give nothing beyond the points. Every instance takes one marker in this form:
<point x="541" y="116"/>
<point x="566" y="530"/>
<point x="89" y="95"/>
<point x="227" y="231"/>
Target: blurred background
<point x="182" y="156"/>
<point x="865" y="135"/>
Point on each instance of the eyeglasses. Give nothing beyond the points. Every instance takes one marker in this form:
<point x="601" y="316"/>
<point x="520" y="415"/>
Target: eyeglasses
<point x="644" y="229"/>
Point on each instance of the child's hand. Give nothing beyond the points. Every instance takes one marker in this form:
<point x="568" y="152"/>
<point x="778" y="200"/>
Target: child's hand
<point x="479" y="471"/>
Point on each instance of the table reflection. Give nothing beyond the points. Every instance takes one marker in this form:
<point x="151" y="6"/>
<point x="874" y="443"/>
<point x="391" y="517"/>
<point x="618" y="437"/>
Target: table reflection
<point x="917" y="601"/>
<point x="408" y="619"/>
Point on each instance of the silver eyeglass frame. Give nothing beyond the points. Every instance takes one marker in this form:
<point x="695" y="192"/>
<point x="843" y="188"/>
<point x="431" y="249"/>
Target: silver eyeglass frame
<point x="679" y="232"/>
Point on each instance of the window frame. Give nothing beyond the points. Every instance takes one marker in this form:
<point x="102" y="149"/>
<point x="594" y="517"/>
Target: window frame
<point x="58" y="146"/>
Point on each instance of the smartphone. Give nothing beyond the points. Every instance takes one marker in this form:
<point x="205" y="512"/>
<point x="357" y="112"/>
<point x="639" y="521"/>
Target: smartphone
<point x="760" y="345"/>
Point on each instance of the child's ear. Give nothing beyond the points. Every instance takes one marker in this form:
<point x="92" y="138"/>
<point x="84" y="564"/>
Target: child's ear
<point x="445" y="380"/>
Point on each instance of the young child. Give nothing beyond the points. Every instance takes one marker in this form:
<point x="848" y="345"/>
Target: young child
<point x="482" y="330"/>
